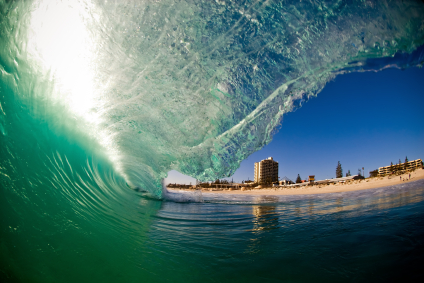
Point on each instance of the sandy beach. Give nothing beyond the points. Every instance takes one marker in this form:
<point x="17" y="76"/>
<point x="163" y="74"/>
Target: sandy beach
<point x="365" y="184"/>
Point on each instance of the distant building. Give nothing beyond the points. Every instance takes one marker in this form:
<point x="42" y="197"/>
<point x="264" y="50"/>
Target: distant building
<point x="411" y="165"/>
<point x="285" y="181"/>
<point x="266" y="171"/>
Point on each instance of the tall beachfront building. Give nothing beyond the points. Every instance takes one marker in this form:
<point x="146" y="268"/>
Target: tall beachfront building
<point x="266" y="171"/>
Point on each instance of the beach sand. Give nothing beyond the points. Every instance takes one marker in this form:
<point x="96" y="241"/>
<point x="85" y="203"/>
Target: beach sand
<point x="365" y="184"/>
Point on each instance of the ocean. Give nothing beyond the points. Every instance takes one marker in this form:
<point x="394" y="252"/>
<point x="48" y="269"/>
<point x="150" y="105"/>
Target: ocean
<point x="100" y="99"/>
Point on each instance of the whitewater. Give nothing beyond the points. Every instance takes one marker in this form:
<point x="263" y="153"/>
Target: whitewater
<point x="100" y="99"/>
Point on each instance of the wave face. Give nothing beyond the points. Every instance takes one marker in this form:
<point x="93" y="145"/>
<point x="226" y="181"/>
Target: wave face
<point x="97" y="97"/>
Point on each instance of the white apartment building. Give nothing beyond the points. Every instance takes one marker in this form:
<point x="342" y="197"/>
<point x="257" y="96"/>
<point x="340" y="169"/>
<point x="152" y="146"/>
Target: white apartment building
<point x="266" y="171"/>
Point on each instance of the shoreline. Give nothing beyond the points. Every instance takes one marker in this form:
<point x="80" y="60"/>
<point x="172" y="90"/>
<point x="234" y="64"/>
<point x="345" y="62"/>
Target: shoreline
<point x="359" y="185"/>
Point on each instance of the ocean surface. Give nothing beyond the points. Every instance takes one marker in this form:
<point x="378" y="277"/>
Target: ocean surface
<point x="100" y="99"/>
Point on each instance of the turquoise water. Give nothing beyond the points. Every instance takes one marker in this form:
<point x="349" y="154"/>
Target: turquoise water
<point x="99" y="100"/>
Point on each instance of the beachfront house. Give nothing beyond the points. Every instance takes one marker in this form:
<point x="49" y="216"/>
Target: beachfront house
<point x="391" y="169"/>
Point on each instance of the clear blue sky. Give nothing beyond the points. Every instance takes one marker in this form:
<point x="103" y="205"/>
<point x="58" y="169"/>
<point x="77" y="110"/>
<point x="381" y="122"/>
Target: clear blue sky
<point x="364" y="119"/>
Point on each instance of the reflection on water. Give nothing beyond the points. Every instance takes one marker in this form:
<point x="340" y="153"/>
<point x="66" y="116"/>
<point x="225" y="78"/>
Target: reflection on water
<point x="265" y="217"/>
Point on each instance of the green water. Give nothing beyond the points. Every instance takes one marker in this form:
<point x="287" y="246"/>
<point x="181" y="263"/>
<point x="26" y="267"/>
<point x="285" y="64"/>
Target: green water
<point x="99" y="100"/>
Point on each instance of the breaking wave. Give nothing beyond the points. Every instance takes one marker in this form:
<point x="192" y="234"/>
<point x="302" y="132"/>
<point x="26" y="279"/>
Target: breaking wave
<point x="194" y="86"/>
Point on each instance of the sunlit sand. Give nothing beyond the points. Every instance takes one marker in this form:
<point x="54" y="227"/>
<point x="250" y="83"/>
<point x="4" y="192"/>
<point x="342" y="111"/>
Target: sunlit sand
<point x="357" y="185"/>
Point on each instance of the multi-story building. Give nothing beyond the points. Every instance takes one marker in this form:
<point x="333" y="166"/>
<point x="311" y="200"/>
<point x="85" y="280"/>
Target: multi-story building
<point x="266" y="171"/>
<point x="411" y="165"/>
